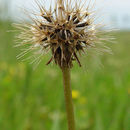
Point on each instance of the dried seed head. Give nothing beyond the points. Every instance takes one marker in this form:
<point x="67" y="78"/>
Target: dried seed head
<point x="66" y="31"/>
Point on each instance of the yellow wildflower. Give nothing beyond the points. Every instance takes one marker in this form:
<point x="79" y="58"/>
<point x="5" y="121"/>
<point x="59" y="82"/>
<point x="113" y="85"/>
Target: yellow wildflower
<point x="75" y="94"/>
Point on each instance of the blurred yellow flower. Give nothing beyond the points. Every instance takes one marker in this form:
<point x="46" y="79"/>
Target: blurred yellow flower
<point x="75" y="94"/>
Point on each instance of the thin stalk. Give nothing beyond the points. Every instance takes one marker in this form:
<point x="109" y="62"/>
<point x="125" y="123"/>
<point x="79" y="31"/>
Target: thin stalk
<point x="68" y="98"/>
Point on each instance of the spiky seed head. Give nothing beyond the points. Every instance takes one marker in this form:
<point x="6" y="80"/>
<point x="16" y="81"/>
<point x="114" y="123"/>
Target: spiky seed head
<point x="67" y="31"/>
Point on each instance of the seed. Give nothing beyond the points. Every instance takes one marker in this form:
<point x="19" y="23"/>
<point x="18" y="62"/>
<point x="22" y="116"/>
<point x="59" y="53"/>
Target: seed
<point x="44" y="39"/>
<point x="49" y="61"/>
<point x="52" y="36"/>
<point x="63" y="35"/>
<point x="76" y="57"/>
<point x="84" y="42"/>
<point x="68" y="33"/>
<point x="76" y="22"/>
<point x="79" y="47"/>
<point x="57" y="30"/>
<point x="42" y="26"/>
<point x="69" y="18"/>
<point x="47" y="18"/>
<point x="74" y="18"/>
<point x="82" y="25"/>
<point x="72" y="41"/>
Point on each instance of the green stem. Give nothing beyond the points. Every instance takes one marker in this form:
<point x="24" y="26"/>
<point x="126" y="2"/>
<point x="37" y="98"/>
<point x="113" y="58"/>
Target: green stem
<point x="68" y="98"/>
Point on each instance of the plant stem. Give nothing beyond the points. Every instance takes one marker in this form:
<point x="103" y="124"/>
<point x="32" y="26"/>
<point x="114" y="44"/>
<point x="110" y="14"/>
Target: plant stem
<point x="68" y="98"/>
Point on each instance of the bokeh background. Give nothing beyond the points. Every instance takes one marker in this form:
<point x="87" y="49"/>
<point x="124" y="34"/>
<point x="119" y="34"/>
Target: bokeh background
<point x="34" y="99"/>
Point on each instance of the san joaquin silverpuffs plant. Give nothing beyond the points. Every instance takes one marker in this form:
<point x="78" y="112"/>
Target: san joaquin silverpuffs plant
<point x="66" y="30"/>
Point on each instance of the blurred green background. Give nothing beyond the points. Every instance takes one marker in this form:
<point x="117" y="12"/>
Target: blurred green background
<point x="34" y="99"/>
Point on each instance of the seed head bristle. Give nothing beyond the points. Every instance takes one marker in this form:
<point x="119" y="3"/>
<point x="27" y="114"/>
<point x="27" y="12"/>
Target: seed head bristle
<point x="66" y="31"/>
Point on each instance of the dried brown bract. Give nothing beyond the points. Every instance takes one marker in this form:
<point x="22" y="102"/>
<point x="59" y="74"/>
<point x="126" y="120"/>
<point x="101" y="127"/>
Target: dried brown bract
<point x="66" y="30"/>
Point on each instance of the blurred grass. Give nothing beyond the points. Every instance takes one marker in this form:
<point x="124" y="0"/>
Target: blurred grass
<point x="34" y="100"/>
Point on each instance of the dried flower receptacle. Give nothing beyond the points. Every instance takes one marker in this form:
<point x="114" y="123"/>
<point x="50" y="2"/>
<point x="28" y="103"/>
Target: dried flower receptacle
<point x="67" y="31"/>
